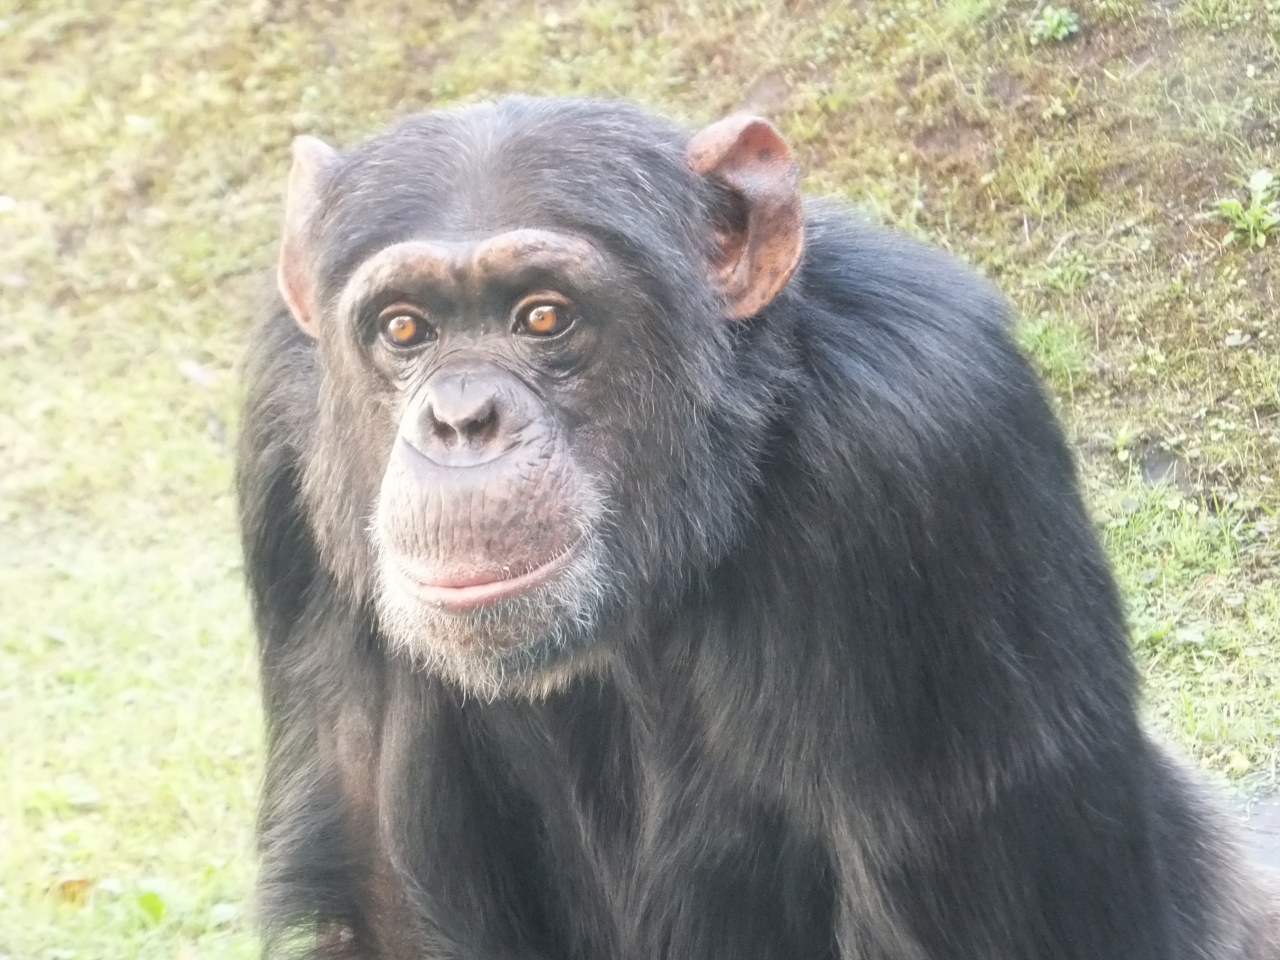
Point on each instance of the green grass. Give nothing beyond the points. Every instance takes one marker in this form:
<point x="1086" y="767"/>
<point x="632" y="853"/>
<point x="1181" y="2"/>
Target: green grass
<point x="143" y="149"/>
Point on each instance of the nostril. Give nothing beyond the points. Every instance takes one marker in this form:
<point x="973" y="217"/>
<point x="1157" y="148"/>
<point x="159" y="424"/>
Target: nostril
<point x="444" y="434"/>
<point x="483" y="428"/>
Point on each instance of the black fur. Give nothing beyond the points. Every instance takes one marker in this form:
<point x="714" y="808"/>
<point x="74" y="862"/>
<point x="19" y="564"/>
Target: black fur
<point x="867" y="692"/>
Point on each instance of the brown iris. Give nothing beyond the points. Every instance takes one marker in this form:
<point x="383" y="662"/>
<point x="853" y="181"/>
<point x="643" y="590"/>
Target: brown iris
<point x="401" y="328"/>
<point x="542" y="318"/>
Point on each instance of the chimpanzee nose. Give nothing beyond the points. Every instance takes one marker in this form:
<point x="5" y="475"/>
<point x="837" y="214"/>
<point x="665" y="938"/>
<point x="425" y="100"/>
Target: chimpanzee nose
<point x="466" y="417"/>
<point x="462" y="411"/>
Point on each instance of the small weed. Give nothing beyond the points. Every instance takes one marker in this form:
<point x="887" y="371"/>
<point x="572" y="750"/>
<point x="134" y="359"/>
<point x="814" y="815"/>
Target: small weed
<point x="1260" y="218"/>
<point x="1053" y="23"/>
<point x="1039" y="182"/>
<point x="1057" y="349"/>
<point x="1117" y="9"/>
<point x="1215" y="14"/>
<point x="1069" y="273"/>
<point x="1055" y="111"/>
<point x="966" y="16"/>
<point x="1125" y="438"/>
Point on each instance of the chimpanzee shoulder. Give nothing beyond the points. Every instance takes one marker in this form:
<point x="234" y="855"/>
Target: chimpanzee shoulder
<point x="901" y="350"/>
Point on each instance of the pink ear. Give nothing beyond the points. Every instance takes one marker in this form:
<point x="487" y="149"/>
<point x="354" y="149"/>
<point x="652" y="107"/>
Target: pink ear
<point x="312" y="159"/>
<point x="759" y="253"/>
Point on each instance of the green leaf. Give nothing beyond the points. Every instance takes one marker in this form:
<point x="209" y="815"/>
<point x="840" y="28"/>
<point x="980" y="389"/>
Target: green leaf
<point x="151" y="904"/>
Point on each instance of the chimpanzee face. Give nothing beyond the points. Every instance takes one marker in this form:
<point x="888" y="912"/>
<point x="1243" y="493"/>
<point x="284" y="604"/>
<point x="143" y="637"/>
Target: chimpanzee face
<point x="521" y="409"/>
<point x="492" y="358"/>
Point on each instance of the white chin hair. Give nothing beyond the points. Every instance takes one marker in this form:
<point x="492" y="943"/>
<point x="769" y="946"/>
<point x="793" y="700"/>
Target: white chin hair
<point x="529" y="644"/>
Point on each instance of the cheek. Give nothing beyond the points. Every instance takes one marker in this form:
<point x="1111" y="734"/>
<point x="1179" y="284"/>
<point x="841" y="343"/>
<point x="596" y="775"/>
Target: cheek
<point x="359" y="415"/>
<point x="344" y="466"/>
<point x="636" y="423"/>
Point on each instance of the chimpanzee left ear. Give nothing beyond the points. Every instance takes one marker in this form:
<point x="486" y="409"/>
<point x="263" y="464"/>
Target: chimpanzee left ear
<point x="761" y="242"/>
<point x="312" y="159"/>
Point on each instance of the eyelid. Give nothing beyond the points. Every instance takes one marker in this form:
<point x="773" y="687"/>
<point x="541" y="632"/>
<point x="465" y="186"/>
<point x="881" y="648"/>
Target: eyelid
<point x="400" y="306"/>
<point x="538" y="297"/>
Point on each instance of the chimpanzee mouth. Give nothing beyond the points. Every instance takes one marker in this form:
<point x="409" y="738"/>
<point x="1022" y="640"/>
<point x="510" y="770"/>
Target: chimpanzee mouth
<point x="463" y="593"/>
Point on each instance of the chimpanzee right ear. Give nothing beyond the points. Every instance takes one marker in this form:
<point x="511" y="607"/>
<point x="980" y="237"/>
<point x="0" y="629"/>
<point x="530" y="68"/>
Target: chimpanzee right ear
<point x="312" y="159"/>
<point x="761" y="236"/>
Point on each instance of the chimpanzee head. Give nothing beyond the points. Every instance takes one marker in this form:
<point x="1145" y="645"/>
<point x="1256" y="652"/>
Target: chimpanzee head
<point x="526" y="320"/>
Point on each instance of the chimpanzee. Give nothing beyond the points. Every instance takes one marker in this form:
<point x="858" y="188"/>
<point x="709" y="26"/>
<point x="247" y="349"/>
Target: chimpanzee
<point x="651" y="563"/>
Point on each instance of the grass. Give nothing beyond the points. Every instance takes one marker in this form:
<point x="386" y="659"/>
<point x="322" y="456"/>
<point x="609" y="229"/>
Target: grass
<point x="143" y="150"/>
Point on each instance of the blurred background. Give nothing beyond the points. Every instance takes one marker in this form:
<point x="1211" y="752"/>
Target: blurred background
<point x="1108" y="162"/>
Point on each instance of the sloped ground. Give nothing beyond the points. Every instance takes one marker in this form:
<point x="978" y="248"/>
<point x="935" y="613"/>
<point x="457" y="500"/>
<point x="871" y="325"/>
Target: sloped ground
<point x="143" y="150"/>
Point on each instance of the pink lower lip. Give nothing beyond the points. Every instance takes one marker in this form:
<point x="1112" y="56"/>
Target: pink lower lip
<point x="469" y="596"/>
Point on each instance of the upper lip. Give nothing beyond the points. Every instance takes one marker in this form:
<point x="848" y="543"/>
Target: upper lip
<point x="470" y="592"/>
<point x="480" y="456"/>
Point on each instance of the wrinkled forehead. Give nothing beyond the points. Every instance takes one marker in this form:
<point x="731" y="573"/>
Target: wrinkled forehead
<point x="513" y="258"/>
<point x="453" y="182"/>
<point x="416" y="191"/>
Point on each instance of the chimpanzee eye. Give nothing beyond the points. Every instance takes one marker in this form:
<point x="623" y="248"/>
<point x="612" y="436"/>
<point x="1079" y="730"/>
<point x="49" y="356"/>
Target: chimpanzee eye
<point x="540" y="317"/>
<point x="403" y="327"/>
